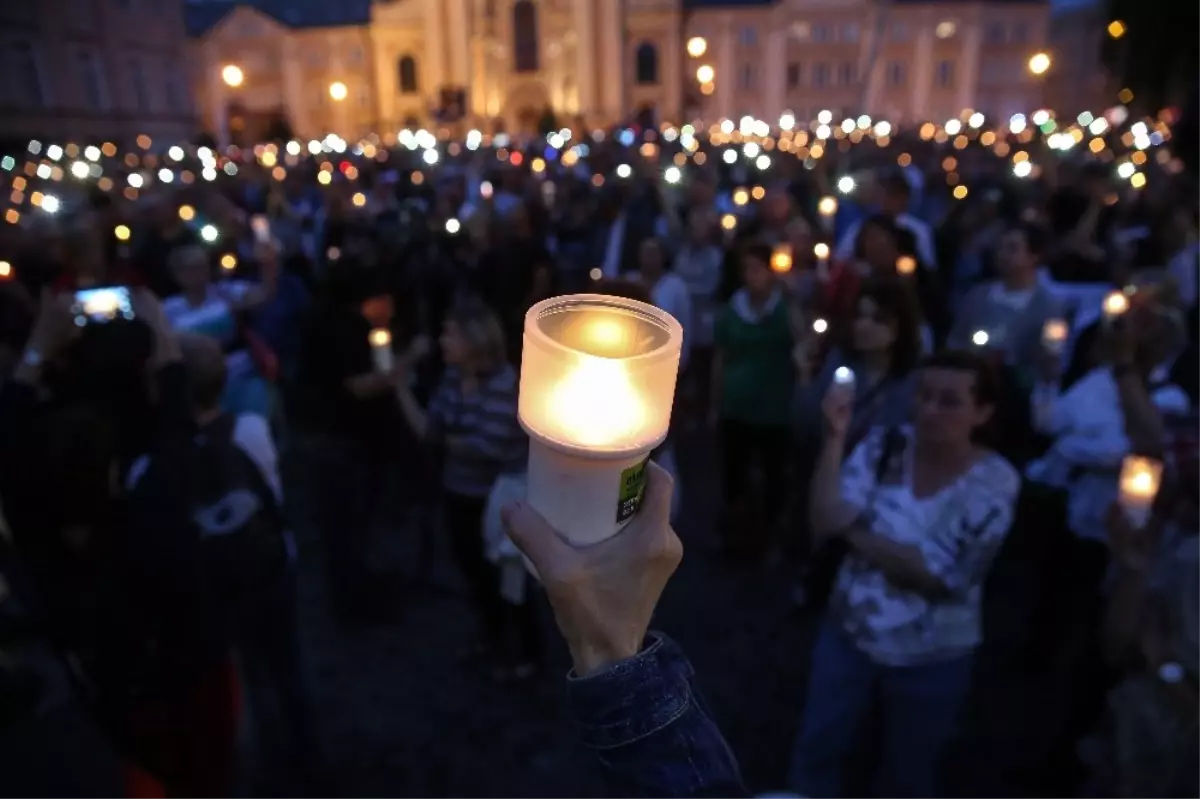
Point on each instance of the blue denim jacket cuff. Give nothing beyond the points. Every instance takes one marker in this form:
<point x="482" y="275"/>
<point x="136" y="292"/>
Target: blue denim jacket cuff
<point x="633" y="698"/>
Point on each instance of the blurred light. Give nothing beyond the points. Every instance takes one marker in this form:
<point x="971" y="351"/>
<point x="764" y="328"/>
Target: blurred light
<point x="43" y="171"/>
<point x="1138" y="180"/>
<point x="1039" y="63"/>
<point x="91" y="153"/>
<point x="144" y="141"/>
<point x="847" y="125"/>
<point x="976" y="120"/>
<point x="54" y="152"/>
<point x="845" y="184"/>
<point x="952" y="127"/>
<point x="763" y="162"/>
<point x="431" y="157"/>
<point x="750" y="150"/>
<point x="187" y="213"/>
<point x="175" y="153"/>
<point x="758" y="192"/>
<point x="821" y="250"/>
<point x="728" y="221"/>
<point x="672" y="175"/>
<point x="1022" y="169"/>
<point x="79" y="169"/>
<point x="960" y="192"/>
<point x="359" y="199"/>
<point x="980" y="338"/>
<point x="1040" y="117"/>
<point x="825" y="117"/>
<point x="819" y="326"/>
<point x="1116" y="29"/>
<point x="50" y="204"/>
<point x="208" y="173"/>
<point x="697" y="46"/>
<point x="730" y="156"/>
<point x="624" y="171"/>
<point x="338" y="90"/>
<point x="166" y="175"/>
<point x="324" y="178"/>
<point x="453" y="226"/>
<point x="787" y="121"/>
<point x="35" y="146"/>
<point x="230" y="168"/>
<point x="232" y="75"/>
<point x="705" y="74"/>
<point x="740" y="197"/>
<point x="595" y="273"/>
<point x="1125" y="96"/>
<point x="135" y="179"/>
<point x="1017" y="123"/>
<point x="1126" y="170"/>
<point x="882" y="129"/>
<point x="229" y="262"/>
<point x="209" y="233"/>
<point x="823" y="131"/>
<point x="5" y="270"/>
<point x="121" y="232"/>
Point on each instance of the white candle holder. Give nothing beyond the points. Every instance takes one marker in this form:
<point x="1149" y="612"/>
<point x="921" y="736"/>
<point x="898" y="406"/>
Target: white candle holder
<point x="1139" y="483"/>
<point x="381" y="349"/>
<point x="597" y="382"/>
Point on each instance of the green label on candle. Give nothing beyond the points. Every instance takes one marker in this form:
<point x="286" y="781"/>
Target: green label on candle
<point x="633" y="488"/>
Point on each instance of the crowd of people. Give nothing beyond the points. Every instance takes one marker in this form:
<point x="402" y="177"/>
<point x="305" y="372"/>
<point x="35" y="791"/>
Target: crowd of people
<point x="929" y="405"/>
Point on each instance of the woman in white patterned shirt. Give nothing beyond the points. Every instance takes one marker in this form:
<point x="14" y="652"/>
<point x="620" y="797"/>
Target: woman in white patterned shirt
<point x="923" y="511"/>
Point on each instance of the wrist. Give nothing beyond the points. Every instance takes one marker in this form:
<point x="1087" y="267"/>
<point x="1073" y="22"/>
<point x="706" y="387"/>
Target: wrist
<point x="591" y="657"/>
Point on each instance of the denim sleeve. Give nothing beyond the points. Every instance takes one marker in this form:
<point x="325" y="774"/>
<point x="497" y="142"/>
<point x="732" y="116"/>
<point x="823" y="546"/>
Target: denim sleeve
<point x="650" y="729"/>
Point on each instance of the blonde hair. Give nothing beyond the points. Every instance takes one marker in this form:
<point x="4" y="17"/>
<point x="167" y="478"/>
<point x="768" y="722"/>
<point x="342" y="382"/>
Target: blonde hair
<point x="481" y="329"/>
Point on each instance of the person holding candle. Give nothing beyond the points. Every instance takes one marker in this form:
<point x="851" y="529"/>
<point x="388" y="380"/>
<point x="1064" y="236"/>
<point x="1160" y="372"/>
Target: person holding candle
<point x="752" y="388"/>
<point x="922" y="510"/>
<point x="1014" y="309"/>
<point x="667" y="290"/>
<point x="472" y="422"/>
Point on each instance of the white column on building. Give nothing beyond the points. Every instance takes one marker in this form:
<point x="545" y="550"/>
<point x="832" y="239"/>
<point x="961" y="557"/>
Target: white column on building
<point x="386" y="81"/>
<point x="726" y="72"/>
<point x="776" y="69"/>
<point x="611" y="64"/>
<point x="922" y="76"/>
<point x="458" y="22"/>
<point x="586" y="67"/>
<point x="669" y="64"/>
<point x="433" y="64"/>
<point x="293" y="88"/>
<point x="968" y="72"/>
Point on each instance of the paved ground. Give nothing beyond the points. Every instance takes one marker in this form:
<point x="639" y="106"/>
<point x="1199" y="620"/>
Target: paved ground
<point x="401" y="716"/>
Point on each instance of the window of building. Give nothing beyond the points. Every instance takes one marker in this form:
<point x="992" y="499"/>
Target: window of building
<point x="898" y="32"/>
<point x="945" y="29"/>
<point x="895" y="73"/>
<point x="1020" y="33"/>
<point x="92" y="79"/>
<point x="646" y="66"/>
<point x="846" y="72"/>
<point x="994" y="32"/>
<point x="27" y="74"/>
<point x="407" y="69"/>
<point x="820" y="75"/>
<point x="746" y="77"/>
<point x="849" y="32"/>
<point x="795" y="73"/>
<point x="748" y="36"/>
<point x="945" y="74"/>
<point x="820" y="33"/>
<point x="137" y="76"/>
<point x="525" y="36"/>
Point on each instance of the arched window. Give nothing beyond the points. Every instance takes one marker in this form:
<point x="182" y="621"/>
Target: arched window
<point x="647" y="64"/>
<point x="525" y="36"/>
<point x="407" y="67"/>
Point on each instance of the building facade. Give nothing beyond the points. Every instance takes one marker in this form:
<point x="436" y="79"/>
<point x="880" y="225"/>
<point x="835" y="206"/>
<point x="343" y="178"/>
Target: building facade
<point x="92" y="70"/>
<point x="506" y="63"/>
<point x="903" y="61"/>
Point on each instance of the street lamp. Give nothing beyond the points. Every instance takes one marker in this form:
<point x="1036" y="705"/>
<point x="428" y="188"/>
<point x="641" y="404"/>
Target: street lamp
<point x="1039" y="63"/>
<point x="338" y="90"/>
<point x="232" y="75"/>
<point x="705" y="74"/>
<point x="697" y="46"/>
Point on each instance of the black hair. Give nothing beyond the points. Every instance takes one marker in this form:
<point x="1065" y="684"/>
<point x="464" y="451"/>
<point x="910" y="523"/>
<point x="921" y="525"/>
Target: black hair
<point x="756" y="250"/>
<point x="899" y="304"/>
<point x="1036" y="239"/>
<point x="987" y="387"/>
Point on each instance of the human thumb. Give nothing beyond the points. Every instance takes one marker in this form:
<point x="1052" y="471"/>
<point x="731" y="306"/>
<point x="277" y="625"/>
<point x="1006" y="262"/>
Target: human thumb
<point x="532" y="534"/>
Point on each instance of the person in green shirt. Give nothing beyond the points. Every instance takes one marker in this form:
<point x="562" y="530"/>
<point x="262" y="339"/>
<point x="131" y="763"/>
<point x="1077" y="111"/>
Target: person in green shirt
<point x="753" y="380"/>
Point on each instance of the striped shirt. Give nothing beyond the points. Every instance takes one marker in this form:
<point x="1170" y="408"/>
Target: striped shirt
<point x="958" y="531"/>
<point x="479" y="433"/>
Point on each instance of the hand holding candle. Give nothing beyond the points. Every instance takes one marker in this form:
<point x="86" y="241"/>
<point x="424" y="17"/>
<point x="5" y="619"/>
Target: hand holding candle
<point x="821" y="253"/>
<point x="1115" y="304"/>
<point x="597" y="382"/>
<point x="1139" y="483"/>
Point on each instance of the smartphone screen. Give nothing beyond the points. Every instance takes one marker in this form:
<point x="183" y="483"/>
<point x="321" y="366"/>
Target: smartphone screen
<point x="261" y="227"/>
<point x="102" y="305"/>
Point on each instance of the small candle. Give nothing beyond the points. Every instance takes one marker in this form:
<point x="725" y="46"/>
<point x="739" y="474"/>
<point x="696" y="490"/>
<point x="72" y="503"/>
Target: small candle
<point x="1115" y="304"/>
<point x="381" y="349"/>
<point x="781" y="259"/>
<point x="597" y="383"/>
<point x="827" y="207"/>
<point x="843" y="376"/>
<point x="821" y="251"/>
<point x="906" y="265"/>
<point x="819" y="326"/>
<point x="1140" y="479"/>
<point x="980" y="338"/>
<point x="1054" y="335"/>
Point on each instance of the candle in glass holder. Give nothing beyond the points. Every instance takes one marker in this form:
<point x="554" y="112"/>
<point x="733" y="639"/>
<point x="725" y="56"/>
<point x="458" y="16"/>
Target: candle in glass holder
<point x="1115" y="304"/>
<point x="1054" y="335"/>
<point x="844" y="376"/>
<point x="906" y="265"/>
<point x="1140" y="479"/>
<point x="781" y="259"/>
<point x="597" y="382"/>
<point x="381" y="349"/>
